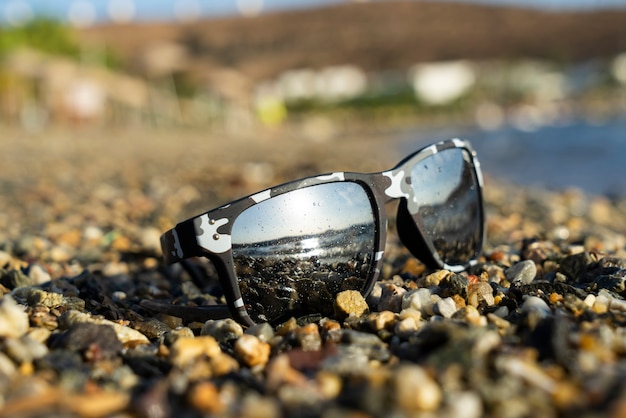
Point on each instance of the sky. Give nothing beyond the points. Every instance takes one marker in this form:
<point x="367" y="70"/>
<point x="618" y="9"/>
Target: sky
<point x="85" y="12"/>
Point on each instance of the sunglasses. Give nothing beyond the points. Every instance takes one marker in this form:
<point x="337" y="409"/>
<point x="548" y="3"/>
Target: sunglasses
<point x="289" y="250"/>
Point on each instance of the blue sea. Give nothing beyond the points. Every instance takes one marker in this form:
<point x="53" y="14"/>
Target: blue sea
<point x="587" y="155"/>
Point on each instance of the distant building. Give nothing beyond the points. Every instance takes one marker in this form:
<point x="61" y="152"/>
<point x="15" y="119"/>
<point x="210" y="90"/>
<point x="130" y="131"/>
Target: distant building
<point x="440" y="83"/>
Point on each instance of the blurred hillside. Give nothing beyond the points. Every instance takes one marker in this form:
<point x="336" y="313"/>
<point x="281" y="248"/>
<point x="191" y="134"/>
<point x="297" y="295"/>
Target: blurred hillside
<point x="376" y="36"/>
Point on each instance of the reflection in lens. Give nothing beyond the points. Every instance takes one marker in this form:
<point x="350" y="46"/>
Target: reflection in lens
<point x="446" y="197"/>
<point x="294" y="252"/>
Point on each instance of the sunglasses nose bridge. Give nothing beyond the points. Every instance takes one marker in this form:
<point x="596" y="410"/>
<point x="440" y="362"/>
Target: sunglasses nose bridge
<point x="396" y="184"/>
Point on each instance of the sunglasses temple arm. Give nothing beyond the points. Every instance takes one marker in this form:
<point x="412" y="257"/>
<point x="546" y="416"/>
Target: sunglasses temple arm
<point x="188" y="313"/>
<point x="180" y="242"/>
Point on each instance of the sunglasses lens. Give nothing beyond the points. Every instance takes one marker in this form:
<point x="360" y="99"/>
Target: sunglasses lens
<point x="446" y="196"/>
<point x="294" y="252"/>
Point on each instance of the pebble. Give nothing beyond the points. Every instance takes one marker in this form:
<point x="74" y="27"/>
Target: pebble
<point x="96" y="341"/>
<point x="406" y="327"/>
<point x="434" y="279"/>
<point x="498" y="340"/>
<point x="416" y="391"/>
<point x="263" y="331"/>
<point x="185" y="352"/>
<point x="223" y="330"/>
<point x="523" y="272"/>
<point x="38" y="275"/>
<point x="174" y="334"/>
<point x="391" y="298"/>
<point x="280" y="372"/>
<point x="252" y="351"/>
<point x="534" y="304"/>
<point x="480" y="292"/>
<point x="454" y="285"/>
<point x="36" y="296"/>
<point x="13" y="318"/>
<point x="601" y="304"/>
<point x="383" y="320"/>
<point x="308" y="337"/>
<point x="24" y="349"/>
<point x="152" y="328"/>
<point x="465" y="404"/>
<point x="205" y="396"/>
<point x="13" y="279"/>
<point x="7" y="366"/>
<point x="471" y="315"/>
<point x="123" y="333"/>
<point x="445" y="307"/>
<point x="421" y="300"/>
<point x="350" y="303"/>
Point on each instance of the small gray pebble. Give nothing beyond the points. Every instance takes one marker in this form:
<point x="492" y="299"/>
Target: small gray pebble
<point x="536" y="304"/>
<point x="523" y="272"/>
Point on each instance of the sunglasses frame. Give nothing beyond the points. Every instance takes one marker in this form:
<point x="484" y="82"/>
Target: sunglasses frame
<point x="209" y="234"/>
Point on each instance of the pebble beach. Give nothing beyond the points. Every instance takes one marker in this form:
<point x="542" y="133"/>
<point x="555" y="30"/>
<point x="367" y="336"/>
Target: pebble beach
<point x="537" y="328"/>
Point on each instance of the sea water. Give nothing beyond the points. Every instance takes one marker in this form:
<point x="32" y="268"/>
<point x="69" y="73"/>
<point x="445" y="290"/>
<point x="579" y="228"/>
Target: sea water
<point x="583" y="154"/>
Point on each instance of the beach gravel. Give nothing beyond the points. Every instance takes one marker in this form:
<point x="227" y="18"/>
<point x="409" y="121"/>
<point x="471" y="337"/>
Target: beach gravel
<point x="536" y="328"/>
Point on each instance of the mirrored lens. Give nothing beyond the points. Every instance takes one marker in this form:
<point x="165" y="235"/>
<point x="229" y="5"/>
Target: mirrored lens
<point x="294" y="252"/>
<point x="446" y="197"/>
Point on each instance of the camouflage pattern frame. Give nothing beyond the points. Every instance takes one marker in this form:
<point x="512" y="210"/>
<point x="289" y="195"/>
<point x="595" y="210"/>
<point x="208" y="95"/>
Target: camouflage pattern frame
<point x="209" y="234"/>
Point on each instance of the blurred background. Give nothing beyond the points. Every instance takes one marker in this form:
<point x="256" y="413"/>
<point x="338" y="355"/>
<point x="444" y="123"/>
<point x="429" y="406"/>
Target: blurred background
<point x="539" y="87"/>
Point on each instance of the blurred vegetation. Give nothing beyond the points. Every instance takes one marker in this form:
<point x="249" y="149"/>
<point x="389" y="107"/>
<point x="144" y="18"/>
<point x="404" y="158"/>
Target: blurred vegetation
<point x="52" y="37"/>
<point x="398" y="101"/>
<point x="43" y="34"/>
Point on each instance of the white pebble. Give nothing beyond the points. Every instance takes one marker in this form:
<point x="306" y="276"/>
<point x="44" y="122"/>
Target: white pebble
<point x="465" y="405"/>
<point x="13" y="318"/>
<point x="445" y="307"/>
<point x="38" y="275"/>
<point x="590" y="300"/>
<point x="421" y="300"/>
